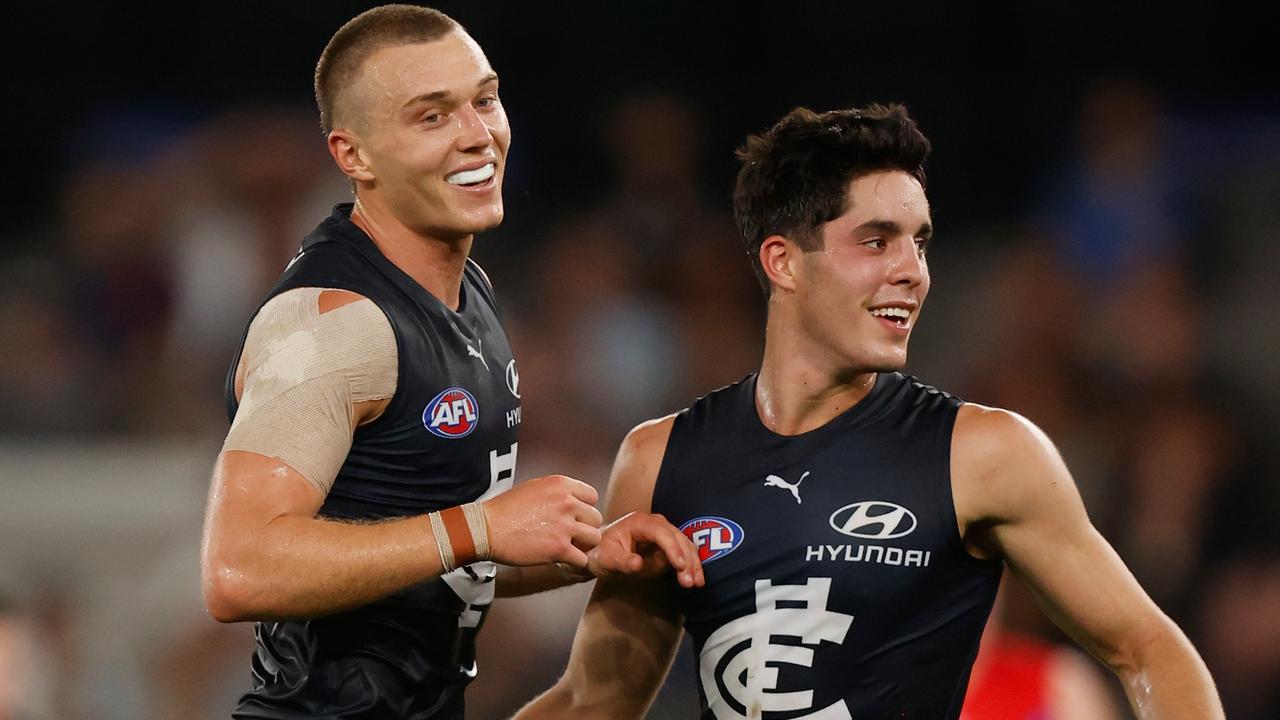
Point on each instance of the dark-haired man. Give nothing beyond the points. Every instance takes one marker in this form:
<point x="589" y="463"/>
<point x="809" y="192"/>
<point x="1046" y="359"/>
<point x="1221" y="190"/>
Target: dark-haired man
<point x="852" y="521"/>
<point x="358" y="508"/>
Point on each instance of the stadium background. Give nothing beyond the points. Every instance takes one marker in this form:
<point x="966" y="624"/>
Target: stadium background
<point x="1105" y="184"/>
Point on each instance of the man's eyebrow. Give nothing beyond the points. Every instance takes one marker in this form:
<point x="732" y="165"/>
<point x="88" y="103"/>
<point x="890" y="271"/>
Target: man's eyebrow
<point x="438" y="95"/>
<point x="428" y="97"/>
<point x="892" y="227"/>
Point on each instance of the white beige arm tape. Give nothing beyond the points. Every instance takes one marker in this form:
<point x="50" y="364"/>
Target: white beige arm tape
<point x="305" y="370"/>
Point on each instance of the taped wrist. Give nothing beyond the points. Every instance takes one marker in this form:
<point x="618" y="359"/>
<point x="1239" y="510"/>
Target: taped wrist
<point x="462" y="535"/>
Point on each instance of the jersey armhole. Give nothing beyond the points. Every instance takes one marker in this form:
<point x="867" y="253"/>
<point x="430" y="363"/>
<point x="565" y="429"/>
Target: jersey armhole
<point x="947" y="502"/>
<point x="658" y="501"/>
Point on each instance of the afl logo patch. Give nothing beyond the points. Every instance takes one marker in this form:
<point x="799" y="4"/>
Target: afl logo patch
<point x="714" y="537"/>
<point x="452" y="414"/>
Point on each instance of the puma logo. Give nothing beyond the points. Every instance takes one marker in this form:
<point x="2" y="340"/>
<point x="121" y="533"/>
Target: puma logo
<point x="775" y="481"/>
<point x="476" y="353"/>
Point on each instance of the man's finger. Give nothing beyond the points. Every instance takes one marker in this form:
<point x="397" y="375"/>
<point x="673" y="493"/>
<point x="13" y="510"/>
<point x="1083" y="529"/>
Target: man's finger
<point x="691" y="573"/>
<point x="584" y="536"/>
<point x="588" y="514"/>
<point x="575" y="557"/>
<point x="583" y="492"/>
<point x="620" y="561"/>
<point x="665" y="537"/>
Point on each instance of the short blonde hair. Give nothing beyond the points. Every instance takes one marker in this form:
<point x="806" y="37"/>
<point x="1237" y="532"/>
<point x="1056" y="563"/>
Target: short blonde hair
<point x="362" y="36"/>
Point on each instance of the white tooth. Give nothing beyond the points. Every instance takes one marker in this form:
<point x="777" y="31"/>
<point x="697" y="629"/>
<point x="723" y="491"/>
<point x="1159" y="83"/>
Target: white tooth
<point x="467" y="177"/>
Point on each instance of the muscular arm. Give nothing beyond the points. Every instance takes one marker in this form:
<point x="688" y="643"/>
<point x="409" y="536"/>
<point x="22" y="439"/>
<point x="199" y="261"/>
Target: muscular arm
<point x="630" y="629"/>
<point x="1014" y="497"/>
<point x="265" y="553"/>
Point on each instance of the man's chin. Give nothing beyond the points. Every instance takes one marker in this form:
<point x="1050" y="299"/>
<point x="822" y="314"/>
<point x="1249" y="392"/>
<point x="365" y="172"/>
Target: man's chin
<point x="472" y="224"/>
<point x="484" y="222"/>
<point x="890" y="362"/>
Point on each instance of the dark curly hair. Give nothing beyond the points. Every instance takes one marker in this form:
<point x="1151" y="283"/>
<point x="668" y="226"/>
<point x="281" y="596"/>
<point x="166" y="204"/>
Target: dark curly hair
<point x="795" y="176"/>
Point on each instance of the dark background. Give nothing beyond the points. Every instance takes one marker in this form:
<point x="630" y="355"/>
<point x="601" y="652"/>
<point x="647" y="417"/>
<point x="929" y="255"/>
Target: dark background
<point x="996" y="85"/>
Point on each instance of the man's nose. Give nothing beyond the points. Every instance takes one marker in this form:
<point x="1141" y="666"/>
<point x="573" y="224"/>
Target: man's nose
<point x="473" y="132"/>
<point x="908" y="264"/>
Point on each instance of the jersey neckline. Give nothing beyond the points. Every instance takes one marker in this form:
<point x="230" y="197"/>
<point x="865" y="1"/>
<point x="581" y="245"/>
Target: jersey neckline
<point x="859" y="411"/>
<point x="361" y="241"/>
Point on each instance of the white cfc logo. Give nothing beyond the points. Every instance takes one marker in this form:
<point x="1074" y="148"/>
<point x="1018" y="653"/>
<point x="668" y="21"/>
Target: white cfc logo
<point x="741" y="659"/>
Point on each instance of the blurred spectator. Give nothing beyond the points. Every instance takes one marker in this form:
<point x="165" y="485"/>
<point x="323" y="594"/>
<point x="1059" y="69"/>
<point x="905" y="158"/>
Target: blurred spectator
<point x="1178" y="453"/>
<point x="720" y="315"/>
<point x="1111" y="210"/>
<point x="46" y="376"/>
<point x="258" y="180"/>
<point x="25" y="684"/>
<point x="1018" y="676"/>
<point x="121" y="295"/>
<point x="1240" y="630"/>
<point x="613" y="352"/>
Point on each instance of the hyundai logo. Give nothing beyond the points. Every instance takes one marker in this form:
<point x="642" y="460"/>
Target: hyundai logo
<point x="874" y="520"/>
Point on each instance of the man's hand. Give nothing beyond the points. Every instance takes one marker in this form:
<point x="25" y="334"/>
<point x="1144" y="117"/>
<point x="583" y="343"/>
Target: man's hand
<point x="646" y="545"/>
<point x="545" y="520"/>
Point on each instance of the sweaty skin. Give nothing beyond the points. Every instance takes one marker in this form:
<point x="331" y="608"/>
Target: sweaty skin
<point x="416" y="115"/>
<point x="1014" y="498"/>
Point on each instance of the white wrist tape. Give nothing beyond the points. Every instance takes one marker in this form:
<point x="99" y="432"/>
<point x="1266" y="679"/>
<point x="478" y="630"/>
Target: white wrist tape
<point x="462" y="535"/>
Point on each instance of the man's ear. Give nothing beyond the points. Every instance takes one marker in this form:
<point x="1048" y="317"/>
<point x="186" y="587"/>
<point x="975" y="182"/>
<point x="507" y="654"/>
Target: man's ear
<point x="345" y="147"/>
<point x="780" y="259"/>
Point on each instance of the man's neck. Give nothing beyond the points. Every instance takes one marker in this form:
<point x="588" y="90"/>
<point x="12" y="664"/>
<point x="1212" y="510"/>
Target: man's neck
<point x="801" y="388"/>
<point x="433" y="263"/>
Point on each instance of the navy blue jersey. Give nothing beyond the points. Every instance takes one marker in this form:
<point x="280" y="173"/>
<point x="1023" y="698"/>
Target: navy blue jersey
<point x="447" y="437"/>
<point x="837" y="585"/>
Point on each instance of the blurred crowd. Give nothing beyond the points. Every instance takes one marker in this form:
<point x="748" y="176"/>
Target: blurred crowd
<point x="1127" y="312"/>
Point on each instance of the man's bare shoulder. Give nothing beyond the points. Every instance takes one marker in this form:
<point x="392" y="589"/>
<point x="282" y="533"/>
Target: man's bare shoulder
<point x="331" y="299"/>
<point x="998" y="460"/>
<point x="990" y="436"/>
<point x="635" y="470"/>
<point x="650" y="436"/>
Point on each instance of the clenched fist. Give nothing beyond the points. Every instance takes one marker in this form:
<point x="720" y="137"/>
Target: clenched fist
<point x="545" y="520"/>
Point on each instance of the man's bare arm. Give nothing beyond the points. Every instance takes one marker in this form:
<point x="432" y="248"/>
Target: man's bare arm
<point x="631" y="627"/>
<point x="267" y="556"/>
<point x="1014" y="497"/>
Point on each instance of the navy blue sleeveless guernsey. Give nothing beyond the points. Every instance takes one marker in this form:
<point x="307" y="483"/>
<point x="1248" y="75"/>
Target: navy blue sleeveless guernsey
<point x="447" y="437"/>
<point x="837" y="583"/>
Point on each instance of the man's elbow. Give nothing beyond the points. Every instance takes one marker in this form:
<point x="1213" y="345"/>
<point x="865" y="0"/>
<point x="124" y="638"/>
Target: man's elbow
<point x="228" y="592"/>
<point x="1158" y="640"/>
